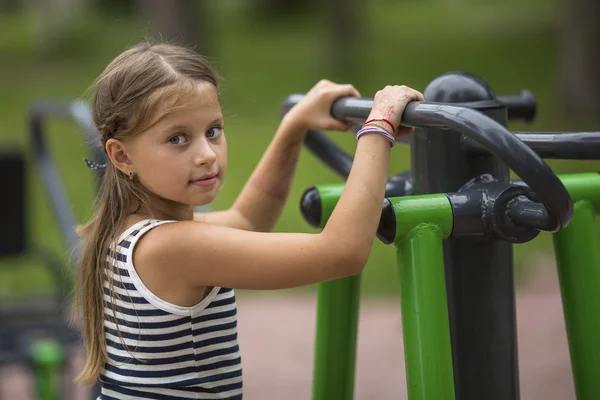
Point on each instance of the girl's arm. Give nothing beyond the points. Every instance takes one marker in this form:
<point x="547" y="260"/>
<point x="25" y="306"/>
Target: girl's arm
<point x="261" y="202"/>
<point x="199" y="255"/>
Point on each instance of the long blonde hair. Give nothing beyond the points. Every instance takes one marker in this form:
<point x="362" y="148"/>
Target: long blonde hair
<point x="136" y="89"/>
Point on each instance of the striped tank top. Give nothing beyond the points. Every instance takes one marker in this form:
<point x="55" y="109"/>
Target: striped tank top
<point x="159" y="350"/>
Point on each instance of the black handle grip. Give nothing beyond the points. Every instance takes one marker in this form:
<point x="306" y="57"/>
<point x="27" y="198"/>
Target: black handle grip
<point x="530" y="214"/>
<point x="520" y="107"/>
<point x="492" y="136"/>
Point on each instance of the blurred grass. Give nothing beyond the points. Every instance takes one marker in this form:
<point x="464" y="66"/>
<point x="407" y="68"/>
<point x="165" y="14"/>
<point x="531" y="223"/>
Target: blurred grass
<point x="511" y="44"/>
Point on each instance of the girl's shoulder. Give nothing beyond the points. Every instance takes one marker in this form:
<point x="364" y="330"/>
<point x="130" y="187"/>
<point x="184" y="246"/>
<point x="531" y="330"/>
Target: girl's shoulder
<point x="134" y="225"/>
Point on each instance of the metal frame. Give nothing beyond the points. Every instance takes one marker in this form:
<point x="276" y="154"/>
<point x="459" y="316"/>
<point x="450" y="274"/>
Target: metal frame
<point x="79" y="112"/>
<point x="45" y="355"/>
<point x="423" y="222"/>
<point x="457" y="284"/>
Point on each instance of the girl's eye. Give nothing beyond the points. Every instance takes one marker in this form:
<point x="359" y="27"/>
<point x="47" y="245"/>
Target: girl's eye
<point x="179" y="139"/>
<point x="214" y="132"/>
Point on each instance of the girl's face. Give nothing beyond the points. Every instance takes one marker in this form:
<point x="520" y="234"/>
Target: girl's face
<point x="183" y="157"/>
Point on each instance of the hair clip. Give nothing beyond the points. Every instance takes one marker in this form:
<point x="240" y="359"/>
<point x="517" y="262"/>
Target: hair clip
<point x="94" y="165"/>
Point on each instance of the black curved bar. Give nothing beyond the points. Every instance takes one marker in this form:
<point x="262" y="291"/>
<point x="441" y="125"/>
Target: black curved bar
<point x="554" y="145"/>
<point x="507" y="147"/>
<point x="488" y="133"/>
<point x="79" y="112"/>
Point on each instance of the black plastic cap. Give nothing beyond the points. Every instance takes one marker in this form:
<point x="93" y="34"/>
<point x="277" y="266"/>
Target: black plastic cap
<point x="386" y="232"/>
<point x="458" y="87"/>
<point x="310" y="206"/>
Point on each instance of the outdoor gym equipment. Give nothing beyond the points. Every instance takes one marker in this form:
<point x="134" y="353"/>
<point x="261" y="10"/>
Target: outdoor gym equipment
<point x="453" y="220"/>
<point x="36" y="332"/>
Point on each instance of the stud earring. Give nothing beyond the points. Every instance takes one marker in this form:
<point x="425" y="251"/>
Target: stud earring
<point x="131" y="173"/>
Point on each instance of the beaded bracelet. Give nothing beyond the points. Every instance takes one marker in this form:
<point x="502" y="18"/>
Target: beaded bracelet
<point x="375" y="129"/>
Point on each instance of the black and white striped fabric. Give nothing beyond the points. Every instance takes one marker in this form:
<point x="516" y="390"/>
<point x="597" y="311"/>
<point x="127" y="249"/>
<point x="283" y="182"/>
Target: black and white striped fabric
<point x="159" y="350"/>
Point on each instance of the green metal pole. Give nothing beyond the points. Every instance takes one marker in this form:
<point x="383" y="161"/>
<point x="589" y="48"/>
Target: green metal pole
<point x="583" y="186"/>
<point x="578" y="260"/>
<point x="48" y="358"/>
<point x="337" y="323"/>
<point x="335" y="347"/>
<point x="425" y="325"/>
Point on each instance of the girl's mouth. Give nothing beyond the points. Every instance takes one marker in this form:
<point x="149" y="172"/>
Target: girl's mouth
<point x="209" y="180"/>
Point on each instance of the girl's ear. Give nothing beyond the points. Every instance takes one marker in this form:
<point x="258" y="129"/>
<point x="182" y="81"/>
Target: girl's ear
<point x="118" y="155"/>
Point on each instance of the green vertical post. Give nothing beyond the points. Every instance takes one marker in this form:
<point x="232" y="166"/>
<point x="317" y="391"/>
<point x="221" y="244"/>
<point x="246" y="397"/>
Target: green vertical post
<point x="337" y="323"/>
<point x="48" y="358"/>
<point x="578" y="261"/>
<point x="422" y="223"/>
<point x="335" y="347"/>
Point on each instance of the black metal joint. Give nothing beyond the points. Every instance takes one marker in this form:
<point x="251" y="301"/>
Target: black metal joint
<point x="483" y="207"/>
<point x="498" y="214"/>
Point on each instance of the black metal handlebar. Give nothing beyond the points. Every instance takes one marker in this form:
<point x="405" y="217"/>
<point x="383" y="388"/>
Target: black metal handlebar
<point x="520" y="107"/>
<point x="488" y="133"/>
<point x="557" y="145"/>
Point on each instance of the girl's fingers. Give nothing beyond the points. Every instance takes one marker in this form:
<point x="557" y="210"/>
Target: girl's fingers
<point x="354" y="92"/>
<point x="418" y="96"/>
<point x="336" y="125"/>
<point x="338" y="91"/>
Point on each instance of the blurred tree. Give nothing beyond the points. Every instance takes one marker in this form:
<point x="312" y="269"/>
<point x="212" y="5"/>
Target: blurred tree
<point x="54" y="21"/>
<point x="184" y="22"/>
<point x="580" y="59"/>
<point x="342" y="21"/>
<point x="124" y="8"/>
<point x="10" y="5"/>
<point x="281" y="8"/>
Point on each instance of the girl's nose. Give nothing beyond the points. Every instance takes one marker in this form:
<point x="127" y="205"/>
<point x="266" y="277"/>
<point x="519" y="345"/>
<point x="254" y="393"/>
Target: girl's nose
<point x="205" y="155"/>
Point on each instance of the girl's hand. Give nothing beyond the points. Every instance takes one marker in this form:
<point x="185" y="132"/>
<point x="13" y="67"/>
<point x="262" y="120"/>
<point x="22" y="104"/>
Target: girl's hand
<point x="389" y="103"/>
<point x="314" y="110"/>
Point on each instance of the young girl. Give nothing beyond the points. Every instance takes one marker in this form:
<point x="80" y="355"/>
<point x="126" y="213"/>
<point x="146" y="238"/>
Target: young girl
<point x="155" y="280"/>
